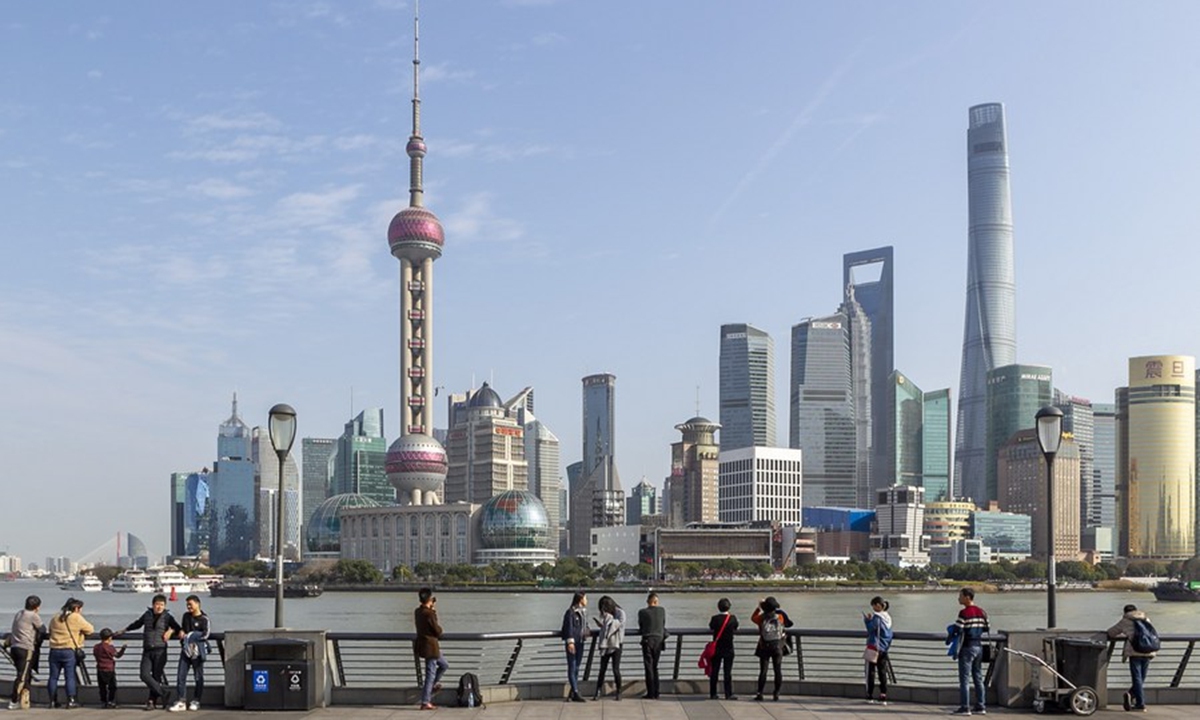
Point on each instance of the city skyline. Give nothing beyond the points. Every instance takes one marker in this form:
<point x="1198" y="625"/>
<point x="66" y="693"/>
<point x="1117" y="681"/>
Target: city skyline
<point x="168" y="180"/>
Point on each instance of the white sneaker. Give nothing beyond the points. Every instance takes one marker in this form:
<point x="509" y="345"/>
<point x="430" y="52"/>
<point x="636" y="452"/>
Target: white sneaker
<point x="13" y="706"/>
<point x="194" y="705"/>
<point x="178" y="706"/>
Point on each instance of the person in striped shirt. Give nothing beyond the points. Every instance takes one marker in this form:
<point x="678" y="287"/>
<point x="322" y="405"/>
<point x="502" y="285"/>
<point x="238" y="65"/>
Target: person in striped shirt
<point x="972" y="625"/>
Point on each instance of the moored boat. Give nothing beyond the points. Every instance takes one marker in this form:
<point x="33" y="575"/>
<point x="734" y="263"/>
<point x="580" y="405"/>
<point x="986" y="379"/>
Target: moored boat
<point x="1177" y="591"/>
<point x="256" y="589"/>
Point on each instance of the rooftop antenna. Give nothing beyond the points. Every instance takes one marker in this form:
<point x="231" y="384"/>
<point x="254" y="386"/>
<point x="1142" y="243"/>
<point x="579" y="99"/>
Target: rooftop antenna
<point x="416" y="192"/>
<point x="697" y="401"/>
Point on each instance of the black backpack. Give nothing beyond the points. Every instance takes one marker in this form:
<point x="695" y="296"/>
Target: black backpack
<point x="1144" y="638"/>
<point x="468" y="691"/>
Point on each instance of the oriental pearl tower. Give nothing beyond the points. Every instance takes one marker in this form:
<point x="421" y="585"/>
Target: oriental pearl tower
<point x="416" y="462"/>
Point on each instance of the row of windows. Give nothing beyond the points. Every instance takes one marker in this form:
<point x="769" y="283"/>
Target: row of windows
<point x="376" y="525"/>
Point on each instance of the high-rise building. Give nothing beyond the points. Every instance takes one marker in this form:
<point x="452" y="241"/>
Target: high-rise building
<point x="190" y="513"/>
<point x="599" y="419"/>
<point x="266" y="483"/>
<point x="747" y="387"/>
<point x="867" y="280"/>
<point x="761" y="484"/>
<point x="902" y="416"/>
<point x="1007" y="534"/>
<point x="360" y="463"/>
<point x="935" y="444"/>
<point x="416" y="463"/>
<point x="642" y="500"/>
<point x="544" y="457"/>
<point x="1157" y="475"/>
<point x="596" y="498"/>
<point x="1079" y="421"/>
<point x="692" y="485"/>
<point x="234" y="530"/>
<point x="899" y="536"/>
<point x="1022" y="489"/>
<point x="821" y="409"/>
<point x="316" y="473"/>
<point x="862" y="396"/>
<point x="486" y="451"/>
<point x="989" y="335"/>
<point x="1014" y="395"/>
<point x="1102" y="512"/>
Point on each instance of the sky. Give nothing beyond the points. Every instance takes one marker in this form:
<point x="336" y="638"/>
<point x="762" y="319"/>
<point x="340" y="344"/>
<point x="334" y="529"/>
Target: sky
<point x="196" y="201"/>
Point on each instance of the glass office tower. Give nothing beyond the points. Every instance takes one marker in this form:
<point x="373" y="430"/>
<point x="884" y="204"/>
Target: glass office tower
<point x="989" y="335"/>
<point x="747" y="388"/>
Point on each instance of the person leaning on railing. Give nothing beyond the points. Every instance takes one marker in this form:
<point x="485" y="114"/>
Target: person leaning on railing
<point x="652" y="626"/>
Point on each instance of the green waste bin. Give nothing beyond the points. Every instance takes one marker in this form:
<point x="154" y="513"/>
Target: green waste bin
<point x="281" y="674"/>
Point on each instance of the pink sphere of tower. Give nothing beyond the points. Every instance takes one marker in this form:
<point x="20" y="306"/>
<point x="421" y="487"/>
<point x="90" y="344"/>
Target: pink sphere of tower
<point x="416" y="462"/>
<point x="416" y="234"/>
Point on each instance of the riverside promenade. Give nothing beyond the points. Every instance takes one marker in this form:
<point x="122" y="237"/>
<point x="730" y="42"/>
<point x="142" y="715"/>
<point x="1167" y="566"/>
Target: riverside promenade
<point x="684" y="707"/>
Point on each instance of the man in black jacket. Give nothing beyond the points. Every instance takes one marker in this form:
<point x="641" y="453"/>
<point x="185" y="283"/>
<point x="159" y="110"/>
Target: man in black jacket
<point x="157" y="626"/>
<point x="652" y="626"/>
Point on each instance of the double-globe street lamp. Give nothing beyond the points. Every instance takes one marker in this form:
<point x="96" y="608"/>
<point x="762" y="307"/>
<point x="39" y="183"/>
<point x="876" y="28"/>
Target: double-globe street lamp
<point x="1049" y="433"/>
<point x="283" y="434"/>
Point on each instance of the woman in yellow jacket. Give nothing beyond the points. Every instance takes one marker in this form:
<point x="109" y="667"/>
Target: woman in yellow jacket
<point x="68" y="631"/>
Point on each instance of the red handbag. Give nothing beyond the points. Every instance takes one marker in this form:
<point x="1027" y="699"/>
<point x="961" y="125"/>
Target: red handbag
<point x="705" y="662"/>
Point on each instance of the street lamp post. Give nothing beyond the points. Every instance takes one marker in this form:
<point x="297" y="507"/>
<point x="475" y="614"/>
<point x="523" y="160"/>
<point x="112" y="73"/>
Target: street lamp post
<point x="283" y="434"/>
<point x="1049" y="432"/>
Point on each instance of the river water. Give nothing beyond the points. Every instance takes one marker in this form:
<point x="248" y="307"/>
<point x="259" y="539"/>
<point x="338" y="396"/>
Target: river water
<point x="513" y="611"/>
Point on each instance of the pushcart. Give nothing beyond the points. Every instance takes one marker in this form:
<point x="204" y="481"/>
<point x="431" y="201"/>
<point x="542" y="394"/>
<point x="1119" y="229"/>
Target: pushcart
<point x="1054" y="688"/>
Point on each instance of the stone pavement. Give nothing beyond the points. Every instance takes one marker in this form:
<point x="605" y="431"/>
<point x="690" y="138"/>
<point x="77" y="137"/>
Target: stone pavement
<point x="688" y="707"/>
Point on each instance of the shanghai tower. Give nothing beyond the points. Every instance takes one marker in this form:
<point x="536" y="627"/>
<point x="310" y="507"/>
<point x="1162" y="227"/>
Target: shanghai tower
<point x="989" y="336"/>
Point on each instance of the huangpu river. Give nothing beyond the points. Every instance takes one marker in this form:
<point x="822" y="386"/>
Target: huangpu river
<point x="521" y="611"/>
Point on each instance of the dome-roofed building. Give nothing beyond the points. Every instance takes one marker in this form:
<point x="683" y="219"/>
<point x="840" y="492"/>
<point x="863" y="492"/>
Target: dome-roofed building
<point x="486" y="397"/>
<point x="325" y="527"/>
<point x="514" y="527"/>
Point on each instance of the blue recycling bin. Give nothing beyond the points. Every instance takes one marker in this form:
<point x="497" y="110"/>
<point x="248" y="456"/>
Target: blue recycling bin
<point x="280" y="675"/>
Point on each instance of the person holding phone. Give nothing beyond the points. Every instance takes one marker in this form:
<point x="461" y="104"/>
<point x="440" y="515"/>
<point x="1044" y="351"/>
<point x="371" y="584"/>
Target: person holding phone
<point x="428" y="646"/>
<point x="879" y="639"/>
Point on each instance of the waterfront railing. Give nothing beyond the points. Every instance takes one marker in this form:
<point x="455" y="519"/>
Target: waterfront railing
<point x="365" y="661"/>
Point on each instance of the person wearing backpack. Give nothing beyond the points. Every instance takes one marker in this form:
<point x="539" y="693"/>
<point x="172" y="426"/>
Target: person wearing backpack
<point x="1141" y="645"/>
<point x="772" y="625"/>
<point x="612" y="635"/>
<point x="724" y="626"/>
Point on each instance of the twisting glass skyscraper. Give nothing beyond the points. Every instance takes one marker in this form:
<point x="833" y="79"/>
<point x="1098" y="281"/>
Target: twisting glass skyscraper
<point x="989" y="337"/>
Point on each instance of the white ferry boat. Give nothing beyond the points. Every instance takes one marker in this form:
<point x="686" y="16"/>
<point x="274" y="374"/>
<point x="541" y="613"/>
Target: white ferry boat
<point x="84" y="583"/>
<point x="132" y="581"/>
<point x="166" y="579"/>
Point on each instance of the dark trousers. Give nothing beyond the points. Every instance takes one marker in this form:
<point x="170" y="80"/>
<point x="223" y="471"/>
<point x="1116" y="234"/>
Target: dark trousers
<point x="776" y="659"/>
<point x="23" y="662"/>
<point x="879" y="667"/>
<point x="613" y="657"/>
<point x="719" y="662"/>
<point x="106" y="680"/>
<point x="153" y="672"/>
<point x="652" y="648"/>
<point x="196" y="665"/>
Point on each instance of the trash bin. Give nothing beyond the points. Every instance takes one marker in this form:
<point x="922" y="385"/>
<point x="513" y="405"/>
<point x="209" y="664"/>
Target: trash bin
<point x="1084" y="661"/>
<point x="280" y="675"/>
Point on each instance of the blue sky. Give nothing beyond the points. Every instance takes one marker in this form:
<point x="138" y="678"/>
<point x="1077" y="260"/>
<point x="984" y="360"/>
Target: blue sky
<point x="196" y="201"/>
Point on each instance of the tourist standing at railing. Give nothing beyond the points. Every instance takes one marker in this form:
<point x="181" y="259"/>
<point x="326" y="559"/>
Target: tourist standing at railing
<point x="157" y="625"/>
<point x="68" y="631"/>
<point x="612" y="637"/>
<point x="429" y="647"/>
<point x="971" y="626"/>
<point x="772" y="625"/>
<point x="723" y="626"/>
<point x="652" y="627"/>
<point x="574" y="630"/>
<point x="193" y="650"/>
<point x="1133" y="622"/>
<point x="26" y="637"/>
<point x="879" y="639"/>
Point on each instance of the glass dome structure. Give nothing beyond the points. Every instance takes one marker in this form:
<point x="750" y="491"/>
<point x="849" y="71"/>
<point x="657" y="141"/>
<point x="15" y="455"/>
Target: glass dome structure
<point x="325" y="527"/>
<point x="514" y="527"/>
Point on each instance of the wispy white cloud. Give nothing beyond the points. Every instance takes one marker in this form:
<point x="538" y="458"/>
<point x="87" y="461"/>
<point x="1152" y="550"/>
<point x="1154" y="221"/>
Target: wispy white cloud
<point x="315" y="208"/>
<point x="219" y="121"/>
<point x="476" y="221"/>
<point x="95" y="74"/>
<point x="442" y="72"/>
<point x="220" y="189"/>
<point x="549" y="38"/>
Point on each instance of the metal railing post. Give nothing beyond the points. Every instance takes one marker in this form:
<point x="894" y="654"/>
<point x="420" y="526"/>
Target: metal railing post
<point x="800" y="655"/>
<point x="1183" y="663"/>
<point x="587" y="670"/>
<point x="678" y="656"/>
<point x="512" y="662"/>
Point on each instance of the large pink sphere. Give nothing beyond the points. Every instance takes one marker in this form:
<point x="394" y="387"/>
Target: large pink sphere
<point x="416" y="234"/>
<point x="416" y="462"/>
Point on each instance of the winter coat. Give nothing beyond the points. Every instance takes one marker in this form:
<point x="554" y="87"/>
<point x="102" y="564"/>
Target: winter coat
<point x="879" y="630"/>
<point x="1124" y="629"/>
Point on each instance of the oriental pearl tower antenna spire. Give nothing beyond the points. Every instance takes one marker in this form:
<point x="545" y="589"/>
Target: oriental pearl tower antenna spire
<point x="416" y="462"/>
